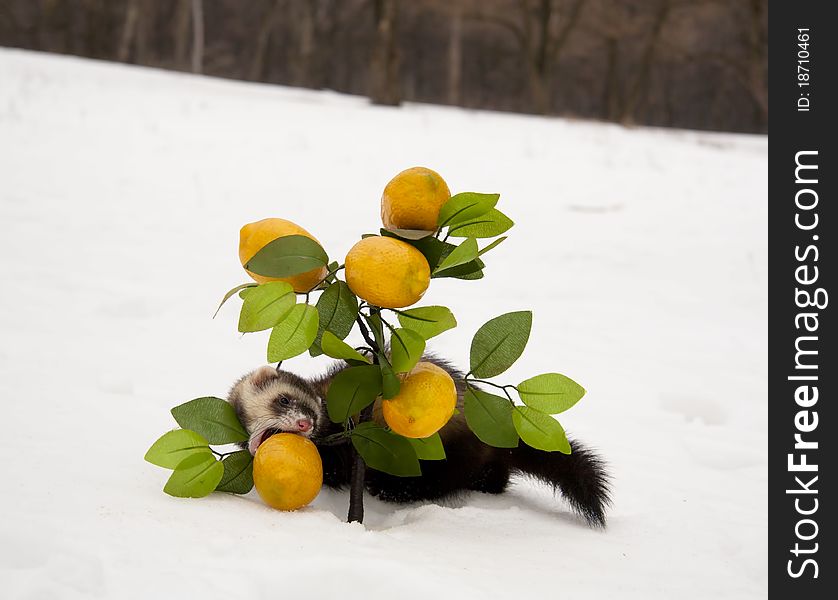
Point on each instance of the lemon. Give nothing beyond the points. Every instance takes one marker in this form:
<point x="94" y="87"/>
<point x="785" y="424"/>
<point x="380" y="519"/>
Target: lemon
<point x="413" y="198"/>
<point x="255" y="236"/>
<point x="424" y="404"/>
<point x="387" y="272"/>
<point x="287" y="471"/>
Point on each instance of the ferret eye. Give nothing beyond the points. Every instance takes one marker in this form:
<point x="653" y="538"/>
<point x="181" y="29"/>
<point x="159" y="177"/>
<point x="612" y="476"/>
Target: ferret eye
<point x="284" y="401"/>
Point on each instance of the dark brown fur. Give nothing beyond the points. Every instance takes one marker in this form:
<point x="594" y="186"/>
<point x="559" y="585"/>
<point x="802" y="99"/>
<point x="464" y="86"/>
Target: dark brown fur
<point x="471" y="465"/>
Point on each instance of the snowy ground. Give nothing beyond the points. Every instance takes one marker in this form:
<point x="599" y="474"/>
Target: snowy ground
<point x="642" y="253"/>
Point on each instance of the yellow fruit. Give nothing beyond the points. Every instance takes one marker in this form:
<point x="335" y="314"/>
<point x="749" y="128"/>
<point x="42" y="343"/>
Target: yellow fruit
<point x="387" y="272"/>
<point x="424" y="404"/>
<point x="287" y="471"/>
<point x="413" y="198"/>
<point x="255" y="236"/>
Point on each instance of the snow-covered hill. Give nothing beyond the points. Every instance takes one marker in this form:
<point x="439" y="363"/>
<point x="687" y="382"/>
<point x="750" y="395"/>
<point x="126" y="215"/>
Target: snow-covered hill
<point x="642" y="253"/>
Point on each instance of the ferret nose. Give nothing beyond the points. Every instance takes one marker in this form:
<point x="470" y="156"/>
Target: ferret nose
<point x="304" y="424"/>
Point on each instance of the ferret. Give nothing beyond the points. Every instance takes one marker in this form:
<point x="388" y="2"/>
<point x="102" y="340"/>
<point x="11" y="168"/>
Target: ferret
<point x="269" y="400"/>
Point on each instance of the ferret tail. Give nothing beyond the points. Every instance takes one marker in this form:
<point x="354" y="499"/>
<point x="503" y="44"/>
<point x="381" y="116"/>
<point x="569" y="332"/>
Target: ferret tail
<point x="580" y="477"/>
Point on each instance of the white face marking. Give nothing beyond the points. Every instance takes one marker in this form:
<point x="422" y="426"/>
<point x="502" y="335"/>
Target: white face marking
<point x="263" y="410"/>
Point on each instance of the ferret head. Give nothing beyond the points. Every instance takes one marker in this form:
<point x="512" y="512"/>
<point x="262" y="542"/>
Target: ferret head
<point x="268" y="401"/>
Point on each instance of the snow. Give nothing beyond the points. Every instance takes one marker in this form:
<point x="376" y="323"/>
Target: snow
<point x="642" y="253"/>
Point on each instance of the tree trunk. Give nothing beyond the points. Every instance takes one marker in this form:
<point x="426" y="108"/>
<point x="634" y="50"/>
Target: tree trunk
<point x="757" y="63"/>
<point x="182" y="25"/>
<point x="385" y="68"/>
<point x="539" y="91"/>
<point x="144" y="51"/>
<point x="129" y="31"/>
<point x="611" y="100"/>
<point x="306" y="46"/>
<point x="197" y="36"/>
<point x="543" y="46"/>
<point x="263" y="38"/>
<point x="641" y="82"/>
<point x="541" y="61"/>
<point x="455" y="60"/>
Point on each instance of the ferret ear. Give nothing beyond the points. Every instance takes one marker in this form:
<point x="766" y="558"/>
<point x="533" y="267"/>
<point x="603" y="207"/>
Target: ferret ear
<point x="263" y="375"/>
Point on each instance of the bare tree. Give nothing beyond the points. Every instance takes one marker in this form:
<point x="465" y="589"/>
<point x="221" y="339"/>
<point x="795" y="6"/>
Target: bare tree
<point x="263" y="39"/>
<point x="611" y="100"/>
<point x="455" y="56"/>
<point x="751" y="68"/>
<point x="197" y="35"/>
<point x="687" y="63"/>
<point x="541" y="31"/>
<point x="745" y="57"/>
<point x="305" y="43"/>
<point x="640" y="83"/>
<point x="385" y="68"/>
<point x="129" y="30"/>
<point x="181" y="27"/>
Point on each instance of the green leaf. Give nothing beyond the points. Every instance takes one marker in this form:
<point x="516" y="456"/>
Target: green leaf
<point x="473" y="269"/>
<point x="406" y="348"/>
<point x="462" y="254"/>
<point x="499" y="343"/>
<point x="390" y="384"/>
<point x="228" y="295"/>
<point x="488" y="225"/>
<point x="376" y="327"/>
<point x="470" y="270"/>
<point x="238" y="473"/>
<point x="337" y="308"/>
<point x="170" y="450"/>
<point x="294" y="334"/>
<point x="435" y="251"/>
<point x="490" y="418"/>
<point x="337" y="348"/>
<point x="429" y="448"/>
<point x="385" y="451"/>
<point x="352" y="390"/>
<point x="427" y="321"/>
<point x="540" y="431"/>
<point x="287" y="256"/>
<point x="197" y="476"/>
<point x="213" y="418"/>
<point x="266" y="305"/>
<point x="494" y="244"/>
<point x="550" y="393"/>
<point x="465" y="207"/>
<point x="408" y="234"/>
<point x="332" y="277"/>
<point x="430" y="247"/>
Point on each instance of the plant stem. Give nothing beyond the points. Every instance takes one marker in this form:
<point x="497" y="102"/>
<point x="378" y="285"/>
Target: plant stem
<point x="366" y="334"/>
<point x="495" y="385"/>
<point x="329" y="274"/>
<point x="393" y="333"/>
<point x="359" y="468"/>
<point x="221" y="455"/>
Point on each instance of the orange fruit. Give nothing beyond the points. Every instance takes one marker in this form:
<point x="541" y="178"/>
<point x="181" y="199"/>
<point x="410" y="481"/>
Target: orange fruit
<point x="424" y="404"/>
<point x="413" y="198"/>
<point x="255" y="236"/>
<point x="287" y="471"/>
<point x="387" y="272"/>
